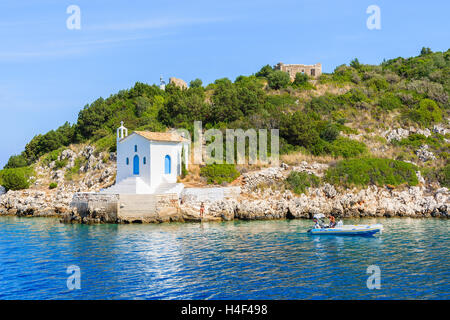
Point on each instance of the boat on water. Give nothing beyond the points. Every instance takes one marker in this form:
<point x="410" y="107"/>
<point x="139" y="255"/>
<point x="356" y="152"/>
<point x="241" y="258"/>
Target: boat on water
<point x="320" y="228"/>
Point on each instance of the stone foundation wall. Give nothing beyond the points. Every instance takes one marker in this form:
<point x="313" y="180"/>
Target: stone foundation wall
<point x="98" y="207"/>
<point x="123" y="208"/>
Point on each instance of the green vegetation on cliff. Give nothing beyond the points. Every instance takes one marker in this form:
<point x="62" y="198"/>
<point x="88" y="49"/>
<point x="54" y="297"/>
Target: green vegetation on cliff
<point x="312" y="115"/>
<point x="300" y="181"/>
<point x="219" y="173"/>
<point x="16" y="178"/>
<point x="444" y="176"/>
<point x="365" y="171"/>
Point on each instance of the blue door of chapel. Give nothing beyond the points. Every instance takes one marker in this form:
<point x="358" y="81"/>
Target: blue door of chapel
<point x="167" y="165"/>
<point x="136" y="165"/>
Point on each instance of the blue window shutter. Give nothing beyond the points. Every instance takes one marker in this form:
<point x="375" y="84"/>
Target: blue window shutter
<point x="128" y="161"/>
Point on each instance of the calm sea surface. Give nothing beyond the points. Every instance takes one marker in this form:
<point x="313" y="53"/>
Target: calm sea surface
<point x="232" y="260"/>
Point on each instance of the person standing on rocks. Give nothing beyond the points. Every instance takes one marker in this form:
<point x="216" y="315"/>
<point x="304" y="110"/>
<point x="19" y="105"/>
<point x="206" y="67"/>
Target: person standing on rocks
<point x="202" y="209"/>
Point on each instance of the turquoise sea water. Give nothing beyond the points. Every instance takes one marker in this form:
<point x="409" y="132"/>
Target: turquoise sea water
<point x="232" y="260"/>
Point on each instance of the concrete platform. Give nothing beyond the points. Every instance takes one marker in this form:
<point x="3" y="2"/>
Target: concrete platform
<point x="136" y="185"/>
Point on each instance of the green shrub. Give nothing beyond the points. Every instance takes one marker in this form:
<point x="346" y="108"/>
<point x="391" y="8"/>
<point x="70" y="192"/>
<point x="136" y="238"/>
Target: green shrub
<point x="300" y="79"/>
<point x="354" y="96"/>
<point x="324" y="104"/>
<point x="53" y="185"/>
<point x="61" y="163"/>
<point x="300" y="129"/>
<point x="346" y="129"/>
<point x="427" y="113"/>
<point x="362" y="172"/>
<point x="347" y="148"/>
<point x="341" y="74"/>
<point x="196" y="83"/>
<point x="301" y="82"/>
<point x="279" y="79"/>
<point x="219" y="173"/>
<point x="16" y="178"/>
<point x="390" y="101"/>
<point x="300" y="181"/>
<point x="330" y="133"/>
<point x="443" y="176"/>
<point x="264" y="72"/>
<point x="416" y="140"/>
<point x="378" y="83"/>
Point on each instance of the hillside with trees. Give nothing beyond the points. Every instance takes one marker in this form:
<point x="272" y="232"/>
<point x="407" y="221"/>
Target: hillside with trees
<point x="342" y="115"/>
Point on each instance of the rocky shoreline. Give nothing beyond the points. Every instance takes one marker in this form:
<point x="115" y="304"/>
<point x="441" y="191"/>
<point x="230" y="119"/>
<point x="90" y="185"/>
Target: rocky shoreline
<point x="259" y="203"/>
<point x="414" y="202"/>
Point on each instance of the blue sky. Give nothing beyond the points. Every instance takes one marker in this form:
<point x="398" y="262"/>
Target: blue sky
<point x="48" y="72"/>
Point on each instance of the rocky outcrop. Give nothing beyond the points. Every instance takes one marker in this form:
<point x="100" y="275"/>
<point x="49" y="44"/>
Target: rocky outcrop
<point x="424" y="154"/>
<point x="270" y="176"/>
<point x="96" y="171"/>
<point x="396" y="134"/>
<point x="266" y="177"/>
<point x="438" y="128"/>
<point x="400" y="133"/>
<point x="35" y="203"/>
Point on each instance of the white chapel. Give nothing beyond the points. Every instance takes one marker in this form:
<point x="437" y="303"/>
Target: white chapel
<point x="149" y="162"/>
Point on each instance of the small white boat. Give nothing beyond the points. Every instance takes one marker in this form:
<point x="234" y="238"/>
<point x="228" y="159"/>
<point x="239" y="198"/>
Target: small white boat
<point x="340" y="229"/>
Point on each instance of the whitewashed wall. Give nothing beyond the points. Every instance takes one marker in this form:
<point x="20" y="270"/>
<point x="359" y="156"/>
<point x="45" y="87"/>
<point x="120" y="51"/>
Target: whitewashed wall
<point x="159" y="150"/>
<point x="153" y="171"/>
<point x="125" y="149"/>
